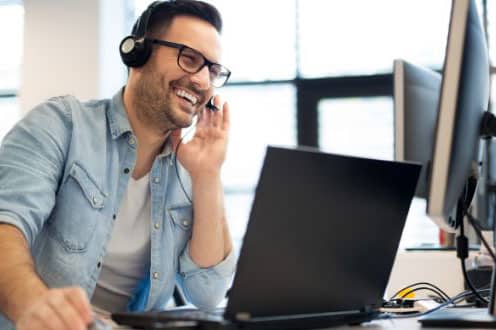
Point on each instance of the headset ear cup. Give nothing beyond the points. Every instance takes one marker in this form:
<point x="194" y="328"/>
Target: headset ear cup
<point x="135" y="53"/>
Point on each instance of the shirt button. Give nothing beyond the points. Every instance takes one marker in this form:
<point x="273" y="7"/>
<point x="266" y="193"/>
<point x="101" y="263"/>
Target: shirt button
<point x="155" y="275"/>
<point x="185" y="223"/>
<point x="96" y="200"/>
<point x="132" y="141"/>
<point x="156" y="180"/>
<point x="126" y="170"/>
<point x="157" y="225"/>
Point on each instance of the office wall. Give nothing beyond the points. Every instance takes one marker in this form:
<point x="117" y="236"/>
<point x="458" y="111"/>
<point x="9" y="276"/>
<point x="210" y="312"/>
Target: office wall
<point x="71" y="47"/>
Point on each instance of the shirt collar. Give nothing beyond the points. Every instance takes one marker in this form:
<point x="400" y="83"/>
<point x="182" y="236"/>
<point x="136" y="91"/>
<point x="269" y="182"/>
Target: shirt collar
<point x="119" y="123"/>
<point x="117" y="116"/>
<point x="167" y="149"/>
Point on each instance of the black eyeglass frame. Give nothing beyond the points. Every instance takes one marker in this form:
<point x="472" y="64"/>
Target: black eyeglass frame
<point x="206" y="62"/>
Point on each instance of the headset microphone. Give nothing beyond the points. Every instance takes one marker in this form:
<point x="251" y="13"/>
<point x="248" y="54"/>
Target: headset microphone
<point x="211" y="106"/>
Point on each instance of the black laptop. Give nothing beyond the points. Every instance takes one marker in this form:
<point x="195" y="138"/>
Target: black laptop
<point x="319" y="247"/>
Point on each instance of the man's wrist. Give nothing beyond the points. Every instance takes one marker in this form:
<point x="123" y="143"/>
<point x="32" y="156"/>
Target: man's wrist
<point x="205" y="175"/>
<point x="23" y="295"/>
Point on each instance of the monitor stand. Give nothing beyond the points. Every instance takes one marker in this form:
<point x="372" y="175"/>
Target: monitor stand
<point x="460" y="318"/>
<point x="465" y="317"/>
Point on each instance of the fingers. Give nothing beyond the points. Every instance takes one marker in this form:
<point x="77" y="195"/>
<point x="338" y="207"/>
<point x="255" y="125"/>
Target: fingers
<point x="210" y="118"/>
<point x="67" y="314"/>
<point x="216" y="116"/>
<point x="44" y="317"/>
<point x="78" y="298"/>
<point x="226" y="118"/>
<point x="62" y="309"/>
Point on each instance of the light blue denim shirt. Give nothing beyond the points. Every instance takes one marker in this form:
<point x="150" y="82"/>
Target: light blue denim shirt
<point x="63" y="171"/>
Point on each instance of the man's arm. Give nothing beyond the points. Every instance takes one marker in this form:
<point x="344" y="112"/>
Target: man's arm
<point x="26" y="300"/>
<point x="203" y="157"/>
<point x="207" y="264"/>
<point x="32" y="159"/>
<point x="211" y="241"/>
<point x="19" y="284"/>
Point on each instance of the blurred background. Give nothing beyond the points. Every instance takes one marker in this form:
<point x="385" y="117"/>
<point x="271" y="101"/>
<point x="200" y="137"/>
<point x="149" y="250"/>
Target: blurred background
<point x="305" y="72"/>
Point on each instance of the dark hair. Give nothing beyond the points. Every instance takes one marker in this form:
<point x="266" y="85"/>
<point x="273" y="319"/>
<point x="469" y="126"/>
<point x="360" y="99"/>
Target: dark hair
<point x="165" y="11"/>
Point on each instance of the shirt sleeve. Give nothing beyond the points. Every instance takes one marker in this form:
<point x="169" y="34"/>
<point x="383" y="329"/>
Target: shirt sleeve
<point x="206" y="287"/>
<point x="32" y="158"/>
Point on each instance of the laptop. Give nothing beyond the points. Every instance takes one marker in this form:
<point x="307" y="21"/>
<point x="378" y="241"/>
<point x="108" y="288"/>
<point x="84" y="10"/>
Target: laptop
<point x="319" y="246"/>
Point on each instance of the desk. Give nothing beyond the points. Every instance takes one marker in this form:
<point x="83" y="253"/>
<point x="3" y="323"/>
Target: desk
<point x="403" y="324"/>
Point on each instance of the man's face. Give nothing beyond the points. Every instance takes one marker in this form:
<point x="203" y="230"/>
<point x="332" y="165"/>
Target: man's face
<point x="161" y="83"/>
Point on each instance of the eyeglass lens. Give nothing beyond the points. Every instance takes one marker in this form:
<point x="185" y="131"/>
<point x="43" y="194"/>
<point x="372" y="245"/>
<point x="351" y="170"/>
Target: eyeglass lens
<point x="191" y="61"/>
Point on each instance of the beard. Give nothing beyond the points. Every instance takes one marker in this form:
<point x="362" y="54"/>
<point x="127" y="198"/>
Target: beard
<point x="153" y="102"/>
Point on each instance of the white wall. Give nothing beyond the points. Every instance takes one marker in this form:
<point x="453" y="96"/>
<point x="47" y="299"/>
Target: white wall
<point x="71" y="47"/>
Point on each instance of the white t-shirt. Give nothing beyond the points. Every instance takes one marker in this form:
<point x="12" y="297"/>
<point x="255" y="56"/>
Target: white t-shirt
<point x="128" y="252"/>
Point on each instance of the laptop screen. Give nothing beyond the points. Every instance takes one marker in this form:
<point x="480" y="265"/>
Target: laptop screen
<point x="322" y="235"/>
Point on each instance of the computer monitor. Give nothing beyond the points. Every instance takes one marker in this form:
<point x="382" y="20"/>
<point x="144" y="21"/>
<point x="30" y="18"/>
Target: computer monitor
<point x="463" y="100"/>
<point x="416" y="95"/>
<point x="462" y="112"/>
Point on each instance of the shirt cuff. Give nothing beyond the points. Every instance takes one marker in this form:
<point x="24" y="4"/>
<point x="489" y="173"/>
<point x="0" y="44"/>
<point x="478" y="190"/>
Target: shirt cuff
<point x="12" y="219"/>
<point x="188" y="267"/>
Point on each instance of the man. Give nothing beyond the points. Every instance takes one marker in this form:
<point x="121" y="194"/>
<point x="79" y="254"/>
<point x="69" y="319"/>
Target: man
<point x="94" y="202"/>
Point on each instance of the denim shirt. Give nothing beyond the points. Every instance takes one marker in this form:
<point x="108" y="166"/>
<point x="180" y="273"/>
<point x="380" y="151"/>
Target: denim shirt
<point x="63" y="171"/>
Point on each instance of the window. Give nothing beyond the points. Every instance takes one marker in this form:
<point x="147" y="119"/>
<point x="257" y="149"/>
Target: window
<point x="10" y="113"/>
<point x="364" y="37"/>
<point x="491" y="17"/>
<point x="11" y="34"/>
<point x="260" y="115"/>
<point x="319" y="73"/>
<point x="357" y="126"/>
<point x="255" y="52"/>
<point x="364" y="127"/>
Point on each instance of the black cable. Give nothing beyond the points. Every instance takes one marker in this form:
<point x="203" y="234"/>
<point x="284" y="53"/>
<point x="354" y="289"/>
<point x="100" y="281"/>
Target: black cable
<point x="454" y="301"/>
<point x="175" y="153"/>
<point x="441" y="292"/>
<point x="470" y="284"/>
<point x="478" y="230"/>
<point x="462" y="252"/>
<point x="424" y="288"/>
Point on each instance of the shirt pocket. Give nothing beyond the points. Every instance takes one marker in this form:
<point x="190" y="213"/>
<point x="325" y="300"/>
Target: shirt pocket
<point x="182" y="223"/>
<point x="79" y="206"/>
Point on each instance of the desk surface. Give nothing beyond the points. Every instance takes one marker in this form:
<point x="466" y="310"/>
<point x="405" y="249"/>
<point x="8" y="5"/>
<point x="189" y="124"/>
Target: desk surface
<point x="404" y="324"/>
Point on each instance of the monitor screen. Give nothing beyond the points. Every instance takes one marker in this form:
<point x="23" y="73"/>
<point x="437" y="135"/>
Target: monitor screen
<point x="463" y="99"/>
<point x="416" y="95"/>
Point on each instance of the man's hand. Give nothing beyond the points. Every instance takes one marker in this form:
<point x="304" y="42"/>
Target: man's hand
<point x="58" y="309"/>
<point x="206" y="151"/>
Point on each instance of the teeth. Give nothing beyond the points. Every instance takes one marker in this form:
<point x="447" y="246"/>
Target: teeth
<point x="187" y="96"/>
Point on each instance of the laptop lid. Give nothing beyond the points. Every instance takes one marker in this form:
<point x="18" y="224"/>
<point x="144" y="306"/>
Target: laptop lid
<point x="322" y="235"/>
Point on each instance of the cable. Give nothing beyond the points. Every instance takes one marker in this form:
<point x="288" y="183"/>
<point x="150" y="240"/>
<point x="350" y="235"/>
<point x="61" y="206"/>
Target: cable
<point x="478" y="230"/>
<point x="454" y="301"/>
<point x="175" y="153"/>
<point x="440" y="292"/>
<point x="424" y="288"/>
<point x="462" y="252"/>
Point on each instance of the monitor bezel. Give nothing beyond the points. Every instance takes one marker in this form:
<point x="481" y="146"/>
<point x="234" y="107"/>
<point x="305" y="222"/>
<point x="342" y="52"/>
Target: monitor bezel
<point x="447" y="109"/>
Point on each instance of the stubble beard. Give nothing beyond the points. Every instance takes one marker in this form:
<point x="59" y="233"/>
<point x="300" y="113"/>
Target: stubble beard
<point x="153" y="104"/>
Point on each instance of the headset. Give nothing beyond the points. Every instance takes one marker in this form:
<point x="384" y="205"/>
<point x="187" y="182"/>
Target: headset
<point x="135" y="49"/>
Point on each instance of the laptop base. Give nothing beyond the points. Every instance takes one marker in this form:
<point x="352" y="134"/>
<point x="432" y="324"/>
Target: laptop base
<point x="459" y="318"/>
<point x="168" y="320"/>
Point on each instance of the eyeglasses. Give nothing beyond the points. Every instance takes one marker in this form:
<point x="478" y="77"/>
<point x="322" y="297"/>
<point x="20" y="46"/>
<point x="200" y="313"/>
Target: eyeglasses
<point x="192" y="61"/>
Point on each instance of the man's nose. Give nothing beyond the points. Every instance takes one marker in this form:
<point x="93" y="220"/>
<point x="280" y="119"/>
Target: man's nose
<point x="202" y="78"/>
